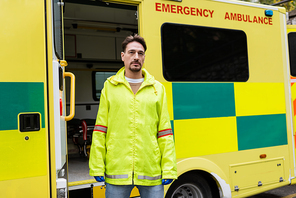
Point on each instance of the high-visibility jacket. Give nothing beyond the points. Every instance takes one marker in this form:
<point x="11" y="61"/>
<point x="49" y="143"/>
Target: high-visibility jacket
<point x="133" y="141"/>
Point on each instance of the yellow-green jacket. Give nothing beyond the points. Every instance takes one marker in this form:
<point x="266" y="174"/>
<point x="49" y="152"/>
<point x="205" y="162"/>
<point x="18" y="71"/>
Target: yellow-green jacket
<point x="132" y="141"/>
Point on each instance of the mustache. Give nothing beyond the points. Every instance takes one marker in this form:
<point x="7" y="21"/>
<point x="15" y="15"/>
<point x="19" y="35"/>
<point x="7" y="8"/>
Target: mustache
<point x="137" y="62"/>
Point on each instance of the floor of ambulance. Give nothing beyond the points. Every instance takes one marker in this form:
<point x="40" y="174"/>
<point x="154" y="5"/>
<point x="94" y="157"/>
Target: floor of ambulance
<point x="78" y="169"/>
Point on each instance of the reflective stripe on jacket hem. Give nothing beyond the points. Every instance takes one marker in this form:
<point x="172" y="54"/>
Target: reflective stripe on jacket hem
<point x="165" y="132"/>
<point x="149" y="178"/>
<point x="100" y="128"/>
<point x="116" y="176"/>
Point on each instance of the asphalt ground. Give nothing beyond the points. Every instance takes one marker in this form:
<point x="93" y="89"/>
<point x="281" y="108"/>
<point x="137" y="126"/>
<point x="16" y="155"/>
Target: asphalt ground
<point x="283" y="192"/>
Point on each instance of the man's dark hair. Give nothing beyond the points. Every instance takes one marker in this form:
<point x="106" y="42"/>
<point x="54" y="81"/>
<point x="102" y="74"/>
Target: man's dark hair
<point x="131" y="38"/>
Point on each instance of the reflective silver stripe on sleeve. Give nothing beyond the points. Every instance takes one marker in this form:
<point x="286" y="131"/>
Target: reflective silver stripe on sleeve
<point x="149" y="178"/>
<point x="164" y="133"/>
<point x="116" y="176"/>
<point x="100" y="128"/>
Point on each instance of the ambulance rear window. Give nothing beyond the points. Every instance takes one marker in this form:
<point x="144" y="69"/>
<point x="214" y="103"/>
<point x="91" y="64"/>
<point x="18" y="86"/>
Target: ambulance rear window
<point x="292" y="52"/>
<point x="197" y="53"/>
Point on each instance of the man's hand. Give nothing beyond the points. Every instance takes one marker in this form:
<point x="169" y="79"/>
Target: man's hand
<point x="99" y="178"/>
<point x="166" y="181"/>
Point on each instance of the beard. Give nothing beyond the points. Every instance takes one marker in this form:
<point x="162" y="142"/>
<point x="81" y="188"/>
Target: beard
<point x="135" y="68"/>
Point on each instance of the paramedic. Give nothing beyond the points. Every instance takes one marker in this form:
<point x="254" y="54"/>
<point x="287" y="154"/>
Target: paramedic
<point x="133" y="141"/>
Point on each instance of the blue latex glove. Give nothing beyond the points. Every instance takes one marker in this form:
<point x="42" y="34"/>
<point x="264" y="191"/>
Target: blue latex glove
<point x="166" y="181"/>
<point x="99" y="178"/>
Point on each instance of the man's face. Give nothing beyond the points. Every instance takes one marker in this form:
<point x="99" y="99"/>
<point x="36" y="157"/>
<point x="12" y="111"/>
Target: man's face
<point x="133" y="57"/>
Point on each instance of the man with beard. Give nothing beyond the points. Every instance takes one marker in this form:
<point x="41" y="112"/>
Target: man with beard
<point x="133" y="141"/>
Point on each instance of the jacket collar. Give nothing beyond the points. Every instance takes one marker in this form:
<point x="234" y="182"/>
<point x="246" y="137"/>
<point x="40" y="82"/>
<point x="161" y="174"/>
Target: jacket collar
<point x="120" y="78"/>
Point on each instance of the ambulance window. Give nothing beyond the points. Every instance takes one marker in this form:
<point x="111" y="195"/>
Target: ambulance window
<point x="98" y="83"/>
<point x="196" y="53"/>
<point x="57" y="24"/>
<point x="292" y="52"/>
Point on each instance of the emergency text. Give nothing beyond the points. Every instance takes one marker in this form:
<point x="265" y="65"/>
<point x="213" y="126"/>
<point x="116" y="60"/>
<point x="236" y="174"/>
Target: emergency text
<point x="161" y="7"/>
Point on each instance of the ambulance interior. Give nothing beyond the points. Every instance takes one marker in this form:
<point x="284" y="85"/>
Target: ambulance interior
<point x="94" y="31"/>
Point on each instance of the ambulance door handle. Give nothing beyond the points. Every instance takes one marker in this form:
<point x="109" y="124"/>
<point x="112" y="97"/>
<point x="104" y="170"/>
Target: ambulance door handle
<point x="72" y="96"/>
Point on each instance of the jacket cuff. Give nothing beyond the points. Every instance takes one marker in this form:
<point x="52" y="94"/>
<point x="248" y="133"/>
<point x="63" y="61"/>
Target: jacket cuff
<point x="169" y="175"/>
<point x="96" y="173"/>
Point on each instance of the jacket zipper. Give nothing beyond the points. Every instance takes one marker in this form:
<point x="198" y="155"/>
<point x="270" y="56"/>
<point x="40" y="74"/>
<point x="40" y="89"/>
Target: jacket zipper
<point x="134" y="142"/>
<point x="133" y="172"/>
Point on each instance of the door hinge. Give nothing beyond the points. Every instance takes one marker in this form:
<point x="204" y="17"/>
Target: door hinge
<point x="61" y="188"/>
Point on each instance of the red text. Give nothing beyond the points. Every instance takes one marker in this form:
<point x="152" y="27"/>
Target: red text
<point x="161" y="7"/>
<point x="247" y="18"/>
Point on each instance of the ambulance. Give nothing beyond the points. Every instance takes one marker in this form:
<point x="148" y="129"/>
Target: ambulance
<point x="225" y="66"/>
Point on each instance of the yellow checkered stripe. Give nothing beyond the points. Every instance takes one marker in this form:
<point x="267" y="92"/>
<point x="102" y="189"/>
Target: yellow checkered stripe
<point x="226" y="117"/>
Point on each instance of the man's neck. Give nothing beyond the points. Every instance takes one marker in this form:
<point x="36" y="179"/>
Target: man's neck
<point x="133" y="75"/>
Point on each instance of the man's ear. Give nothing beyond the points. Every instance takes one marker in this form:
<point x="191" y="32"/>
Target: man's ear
<point x="122" y="56"/>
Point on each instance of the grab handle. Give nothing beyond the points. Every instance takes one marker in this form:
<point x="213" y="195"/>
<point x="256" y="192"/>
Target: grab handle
<point x="72" y="97"/>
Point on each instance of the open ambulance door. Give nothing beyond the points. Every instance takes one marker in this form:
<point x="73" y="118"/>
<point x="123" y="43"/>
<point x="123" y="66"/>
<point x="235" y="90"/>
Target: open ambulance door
<point x="32" y="122"/>
<point x="291" y="30"/>
<point x="59" y="102"/>
<point x="24" y="129"/>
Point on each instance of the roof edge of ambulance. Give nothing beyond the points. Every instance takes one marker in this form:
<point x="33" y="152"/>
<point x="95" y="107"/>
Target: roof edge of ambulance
<point x="244" y="3"/>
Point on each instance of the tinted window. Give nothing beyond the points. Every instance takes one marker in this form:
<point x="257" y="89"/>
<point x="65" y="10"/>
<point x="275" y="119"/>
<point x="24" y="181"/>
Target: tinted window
<point x="58" y="27"/>
<point x="196" y="53"/>
<point x="292" y="52"/>
<point x="98" y="83"/>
